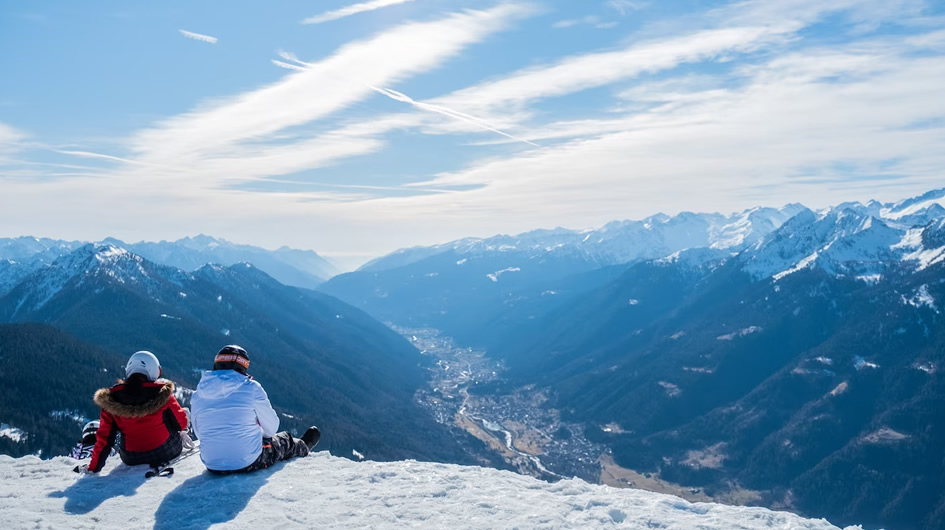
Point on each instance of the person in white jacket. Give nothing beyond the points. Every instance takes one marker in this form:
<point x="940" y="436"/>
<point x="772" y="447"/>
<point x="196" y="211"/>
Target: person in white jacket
<point x="235" y="422"/>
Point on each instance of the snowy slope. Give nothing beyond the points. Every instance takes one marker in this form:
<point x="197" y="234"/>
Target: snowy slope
<point x="322" y="491"/>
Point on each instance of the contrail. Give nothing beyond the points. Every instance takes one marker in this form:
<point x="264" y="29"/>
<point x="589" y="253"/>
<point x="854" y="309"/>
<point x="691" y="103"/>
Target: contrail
<point x="399" y="96"/>
<point x="88" y="154"/>
<point x="352" y="10"/>
<point x="288" y="66"/>
<point x="404" y="98"/>
<point x="198" y="36"/>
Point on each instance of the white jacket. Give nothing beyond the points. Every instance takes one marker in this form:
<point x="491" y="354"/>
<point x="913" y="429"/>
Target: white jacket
<point x="231" y="415"/>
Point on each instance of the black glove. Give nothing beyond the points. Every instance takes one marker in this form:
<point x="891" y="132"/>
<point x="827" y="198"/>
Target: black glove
<point x="82" y="470"/>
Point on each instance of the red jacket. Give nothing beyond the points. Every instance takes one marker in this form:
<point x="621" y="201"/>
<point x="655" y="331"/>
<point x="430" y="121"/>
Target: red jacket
<point x="146" y="419"/>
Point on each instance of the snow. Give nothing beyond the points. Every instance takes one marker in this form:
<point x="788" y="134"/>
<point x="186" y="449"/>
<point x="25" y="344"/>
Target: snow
<point x="803" y="264"/>
<point x="860" y="363"/>
<point x="330" y="492"/>
<point x="922" y="298"/>
<point x="460" y="262"/>
<point x="73" y="415"/>
<point x="495" y="275"/>
<point x="914" y="205"/>
<point x="926" y="257"/>
<point x="671" y="389"/>
<point x="13" y="433"/>
<point x="740" y="333"/>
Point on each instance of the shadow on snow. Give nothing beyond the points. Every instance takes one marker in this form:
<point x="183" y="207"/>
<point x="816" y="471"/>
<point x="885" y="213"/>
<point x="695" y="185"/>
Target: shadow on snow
<point x="208" y="499"/>
<point x="90" y="491"/>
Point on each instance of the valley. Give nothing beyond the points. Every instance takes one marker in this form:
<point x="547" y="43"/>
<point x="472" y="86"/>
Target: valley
<point x="467" y="390"/>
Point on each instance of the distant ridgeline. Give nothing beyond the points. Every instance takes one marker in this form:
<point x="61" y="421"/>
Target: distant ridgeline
<point x="322" y="361"/>
<point x="797" y="353"/>
<point x="300" y="268"/>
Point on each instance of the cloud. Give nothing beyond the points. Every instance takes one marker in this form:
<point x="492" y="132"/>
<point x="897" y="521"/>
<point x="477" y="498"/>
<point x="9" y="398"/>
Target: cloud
<point x="603" y="68"/>
<point x="11" y="141"/>
<point x="815" y="119"/>
<point x="590" y="20"/>
<point x="243" y="137"/>
<point x="718" y="110"/>
<point x="198" y="36"/>
<point x="353" y="9"/>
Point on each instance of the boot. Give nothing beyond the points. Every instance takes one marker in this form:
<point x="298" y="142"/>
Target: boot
<point x="311" y="437"/>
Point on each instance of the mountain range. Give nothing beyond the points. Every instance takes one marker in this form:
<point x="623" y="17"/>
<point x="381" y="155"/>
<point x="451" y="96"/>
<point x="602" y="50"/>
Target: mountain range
<point x="801" y="355"/>
<point x="787" y="354"/>
<point x="299" y="268"/>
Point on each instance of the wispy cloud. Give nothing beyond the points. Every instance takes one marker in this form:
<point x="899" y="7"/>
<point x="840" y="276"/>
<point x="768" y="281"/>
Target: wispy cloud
<point x="787" y="125"/>
<point x="11" y="140"/>
<point x="590" y="20"/>
<point x="239" y="137"/>
<point x="353" y="9"/>
<point x="600" y="69"/>
<point x="198" y="36"/>
<point x="626" y="6"/>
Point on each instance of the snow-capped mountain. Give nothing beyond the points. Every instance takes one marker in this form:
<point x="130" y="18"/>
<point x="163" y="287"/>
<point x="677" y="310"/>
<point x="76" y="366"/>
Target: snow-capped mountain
<point x="854" y="239"/>
<point x="300" y="268"/>
<point x="322" y="491"/>
<point x="86" y="264"/>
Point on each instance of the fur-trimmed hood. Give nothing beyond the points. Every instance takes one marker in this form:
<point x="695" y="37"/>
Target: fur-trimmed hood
<point x="119" y="402"/>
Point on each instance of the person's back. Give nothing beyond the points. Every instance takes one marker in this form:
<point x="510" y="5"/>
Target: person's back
<point x="231" y="415"/>
<point x="235" y="422"/>
<point x="143" y="409"/>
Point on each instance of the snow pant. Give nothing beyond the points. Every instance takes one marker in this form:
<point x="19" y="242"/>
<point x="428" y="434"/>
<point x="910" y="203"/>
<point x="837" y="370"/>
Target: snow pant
<point x="282" y="446"/>
<point x="165" y="452"/>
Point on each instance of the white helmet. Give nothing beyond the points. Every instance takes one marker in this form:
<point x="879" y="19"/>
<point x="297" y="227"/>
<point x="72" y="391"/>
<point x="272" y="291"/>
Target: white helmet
<point x="143" y="362"/>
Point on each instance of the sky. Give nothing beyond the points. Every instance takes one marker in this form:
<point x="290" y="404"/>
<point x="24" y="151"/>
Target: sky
<point x="357" y="128"/>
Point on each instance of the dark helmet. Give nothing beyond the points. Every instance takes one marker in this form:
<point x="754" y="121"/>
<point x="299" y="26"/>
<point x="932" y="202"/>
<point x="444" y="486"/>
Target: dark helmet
<point x="232" y="357"/>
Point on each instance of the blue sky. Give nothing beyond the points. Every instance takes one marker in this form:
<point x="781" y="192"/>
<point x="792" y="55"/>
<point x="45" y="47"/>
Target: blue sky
<point x="355" y="128"/>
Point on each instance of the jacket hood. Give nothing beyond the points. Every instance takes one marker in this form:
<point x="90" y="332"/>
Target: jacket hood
<point x="217" y="384"/>
<point x="114" y="400"/>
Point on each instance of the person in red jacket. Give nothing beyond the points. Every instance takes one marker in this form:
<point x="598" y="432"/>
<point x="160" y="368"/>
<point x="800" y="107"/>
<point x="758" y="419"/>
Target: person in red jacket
<point x="145" y="412"/>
